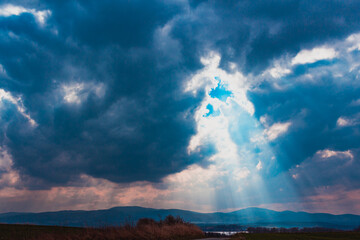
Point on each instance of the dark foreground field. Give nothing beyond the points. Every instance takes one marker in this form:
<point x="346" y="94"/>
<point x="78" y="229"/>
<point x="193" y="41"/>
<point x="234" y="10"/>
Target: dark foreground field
<point x="149" y="229"/>
<point x="170" y="228"/>
<point x="299" y="236"/>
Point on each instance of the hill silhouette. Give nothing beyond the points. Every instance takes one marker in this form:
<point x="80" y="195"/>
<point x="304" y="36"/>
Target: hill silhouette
<point x="246" y="217"/>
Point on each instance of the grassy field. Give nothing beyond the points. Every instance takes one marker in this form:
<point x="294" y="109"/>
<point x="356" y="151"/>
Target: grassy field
<point x="145" y="229"/>
<point x="148" y="229"/>
<point x="299" y="236"/>
<point x="15" y="231"/>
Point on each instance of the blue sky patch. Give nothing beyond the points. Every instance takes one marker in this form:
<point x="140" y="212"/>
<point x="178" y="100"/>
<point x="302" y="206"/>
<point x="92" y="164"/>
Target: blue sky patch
<point x="220" y="92"/>
<point x="212" y="112"/>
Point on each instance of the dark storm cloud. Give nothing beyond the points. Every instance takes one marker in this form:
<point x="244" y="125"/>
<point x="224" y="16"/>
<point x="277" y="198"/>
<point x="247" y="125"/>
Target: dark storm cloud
<point x="313" y="109"/>
<point x="130" y="120"/>
<point x="341" y="168"/>
<point x="252" y="33"/>
<point x="124" y="23"/>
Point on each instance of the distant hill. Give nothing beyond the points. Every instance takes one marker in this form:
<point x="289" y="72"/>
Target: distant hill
<point x="245" y="217"/>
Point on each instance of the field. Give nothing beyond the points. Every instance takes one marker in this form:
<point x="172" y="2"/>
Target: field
<point x="170" y="228"/>
<point x="14" y="231"/>
<point x="148" y="229"/>
<point x="299" y="236"/>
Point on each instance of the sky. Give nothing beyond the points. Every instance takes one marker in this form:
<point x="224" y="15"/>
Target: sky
<point x="198" y="105"/>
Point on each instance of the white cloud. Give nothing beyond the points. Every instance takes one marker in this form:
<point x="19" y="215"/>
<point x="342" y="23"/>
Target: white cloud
<point x="236" y="82"/>
<point x="278" y="71"/>
<point x="231" y="161"/>
<point x="348" y="121"/>
<point x="4" y="95"/>
<point x="215" y="129"/>
<point x="314" y="55"/>
<point x="354" y="41"/>
<point x="241" y="173"/>
<point x="72" y="92"/>
<point x="342" y="122"/>
<point x="276" y="130"/>
<point x="10" y="10"/>
<point x="324" y="154"/>
<point x="264" y="120"/>
<point x="194" y="175"/>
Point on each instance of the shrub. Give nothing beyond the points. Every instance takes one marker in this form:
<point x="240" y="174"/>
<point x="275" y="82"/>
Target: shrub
<point x="146" y="221"/>
<point x="171" y="220"/>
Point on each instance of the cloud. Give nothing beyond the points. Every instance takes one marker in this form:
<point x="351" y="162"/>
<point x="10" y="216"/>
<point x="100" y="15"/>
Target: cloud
<point x="334" y="200"/>
<point x="78" y="92"/>
<point x="314" y="55"/>
<point x="278" y="71"/>
<point x="339" y="154"/>
<point x="9" y="177"/>
<point x="8" y="10"/>
<point x="104" y="103"/>
<point x="120" y="92"/>
<point x="354" y="40"/>
<point x="300" y="96"/>
<point x="276" y="130"/>
<point x="348" y="121"/>
<point x="6" y="96"/>
<point x="86" y="194"/>
<point x="327" y="169"/>
<point x="241" y="173"/>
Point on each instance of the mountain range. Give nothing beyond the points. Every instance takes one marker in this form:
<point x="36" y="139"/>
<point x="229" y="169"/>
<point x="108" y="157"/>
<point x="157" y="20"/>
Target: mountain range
<point x="244" y="217"/>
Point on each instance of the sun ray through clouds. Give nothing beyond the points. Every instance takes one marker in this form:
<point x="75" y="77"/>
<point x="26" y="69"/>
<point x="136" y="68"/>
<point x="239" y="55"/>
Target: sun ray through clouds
<point x="226" y="119"/>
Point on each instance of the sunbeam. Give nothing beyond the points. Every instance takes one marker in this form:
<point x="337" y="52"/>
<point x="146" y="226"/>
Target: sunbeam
<point x="244" y="159"/>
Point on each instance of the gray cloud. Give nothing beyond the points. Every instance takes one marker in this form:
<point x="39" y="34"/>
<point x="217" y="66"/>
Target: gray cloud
<point x="104" y="81"/>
